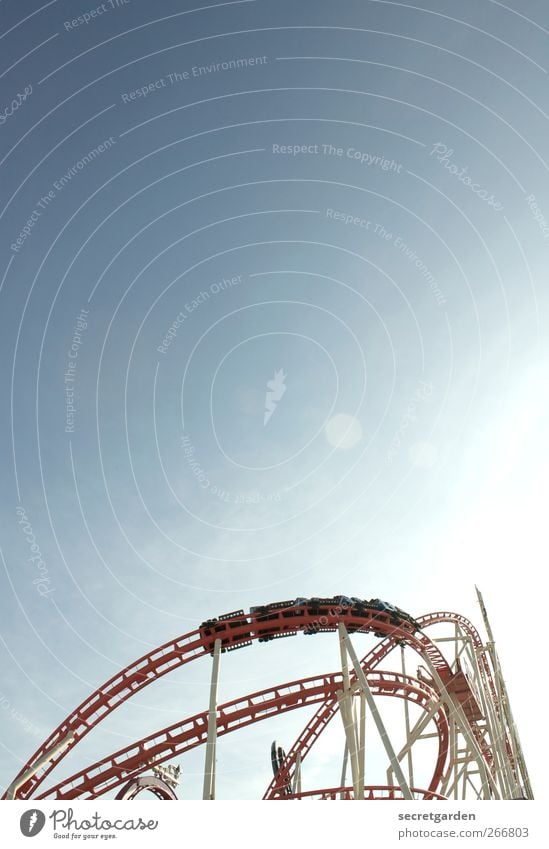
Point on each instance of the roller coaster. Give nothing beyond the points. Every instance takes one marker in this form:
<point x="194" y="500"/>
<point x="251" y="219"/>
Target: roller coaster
<point x="457" y="700"/>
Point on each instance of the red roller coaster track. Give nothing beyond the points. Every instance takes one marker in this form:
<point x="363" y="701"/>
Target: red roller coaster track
<point x="162" y="746"/>
<point x="329" y="709"/>
<point x="436" y="693"/>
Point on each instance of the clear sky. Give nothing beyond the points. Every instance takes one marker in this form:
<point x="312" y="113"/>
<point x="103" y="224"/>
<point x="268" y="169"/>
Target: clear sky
<point x="273" y="311"/>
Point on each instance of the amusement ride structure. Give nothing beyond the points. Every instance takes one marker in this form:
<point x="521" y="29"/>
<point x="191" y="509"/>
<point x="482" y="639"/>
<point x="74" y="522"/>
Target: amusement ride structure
<point x="457" y="700"/>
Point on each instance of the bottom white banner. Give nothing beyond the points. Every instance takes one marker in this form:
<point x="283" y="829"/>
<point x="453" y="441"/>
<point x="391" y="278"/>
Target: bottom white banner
<point x="140" y="823"/>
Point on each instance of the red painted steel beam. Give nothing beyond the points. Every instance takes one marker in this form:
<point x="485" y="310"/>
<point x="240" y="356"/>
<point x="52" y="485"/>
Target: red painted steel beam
<point x="326" y="712"/>
<point x="129" y="762"/>
<point x="235" y="631"/>
<point x="375" y="792"/>
<point x="320" y="720"/>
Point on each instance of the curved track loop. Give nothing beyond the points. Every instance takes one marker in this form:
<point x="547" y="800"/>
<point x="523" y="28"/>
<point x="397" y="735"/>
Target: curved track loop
<point x="374" y="792"/>
<point x="127" y="763"/>
<point x="235" y="630"/>
<point x="486" y="674"/>
<point x="326" y="712"/>
<point x="146" y="784"/>
<point x="484" y="666"/>
<point x="469" y="629"/>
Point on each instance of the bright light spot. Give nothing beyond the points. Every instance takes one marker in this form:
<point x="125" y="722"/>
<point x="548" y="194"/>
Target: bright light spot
<point x="343" y="431"/>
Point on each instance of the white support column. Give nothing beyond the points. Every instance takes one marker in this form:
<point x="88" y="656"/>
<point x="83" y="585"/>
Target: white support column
<point x="296" y="788"/>
<point x="362" y="745"/>
<point x="350" y="735"/>
<point x="452" y="767"/>
<point x="344" y="767"/>
<point x="496" y="730"/>
<point x="506" y="706"/>
<point x="33" y="769"/>
<point x="416" y="733"/>
<point x="406" y="792"/>
<point x="344" y="698"/>
<point x="456" y="711"/>
<point x="209" y="766"/>
<point x="407" y="723"/>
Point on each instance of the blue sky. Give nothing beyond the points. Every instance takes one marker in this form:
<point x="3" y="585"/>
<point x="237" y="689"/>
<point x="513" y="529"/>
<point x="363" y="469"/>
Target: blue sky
<point x="352" y="196"/>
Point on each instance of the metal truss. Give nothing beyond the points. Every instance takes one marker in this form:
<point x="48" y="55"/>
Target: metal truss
<point x="457" y="698"/>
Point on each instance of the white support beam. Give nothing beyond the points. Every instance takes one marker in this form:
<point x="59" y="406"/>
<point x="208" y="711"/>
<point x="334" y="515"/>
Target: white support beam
<point x="343" y="781"/>
<point x="410" y="759"/>
<point x="296" y="786"/>
<point x="350" y="736"/>
<point x="209" y="766"/>
<point x="361" y="745"/>
<point x="35" y="767"/>
<point x="456" y="712"/>
<point x="496" y="731"/>
<point x="415" y="734"/>
<point x="502" y="692"/>
<point x="345" y="699"/>
<point x="406" y="792"/>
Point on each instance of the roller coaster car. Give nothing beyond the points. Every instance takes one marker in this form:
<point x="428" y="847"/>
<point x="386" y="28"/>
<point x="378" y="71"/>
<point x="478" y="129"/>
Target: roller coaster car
<point x="266" y="612"/>
<point x="322" y="606"/>
<point x="301" y="602"/>
<point x="398" y="616"/>
<point x="359" y="606"/>
<point x="237" y="623"/>
<point x="206" y="628"/>
<point x="223" y="625"/>
<point x="407" y="618"/>
<point x="392" y="621"/>
<point x="262" y="613"/>
<point x="380" y="617"/>
<point x="280" y="605"/>
<point x="298" y="605"/>
<point x="270" y="613"/>
<point x="378" y="604"/>
<point x="276" y="636"/>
